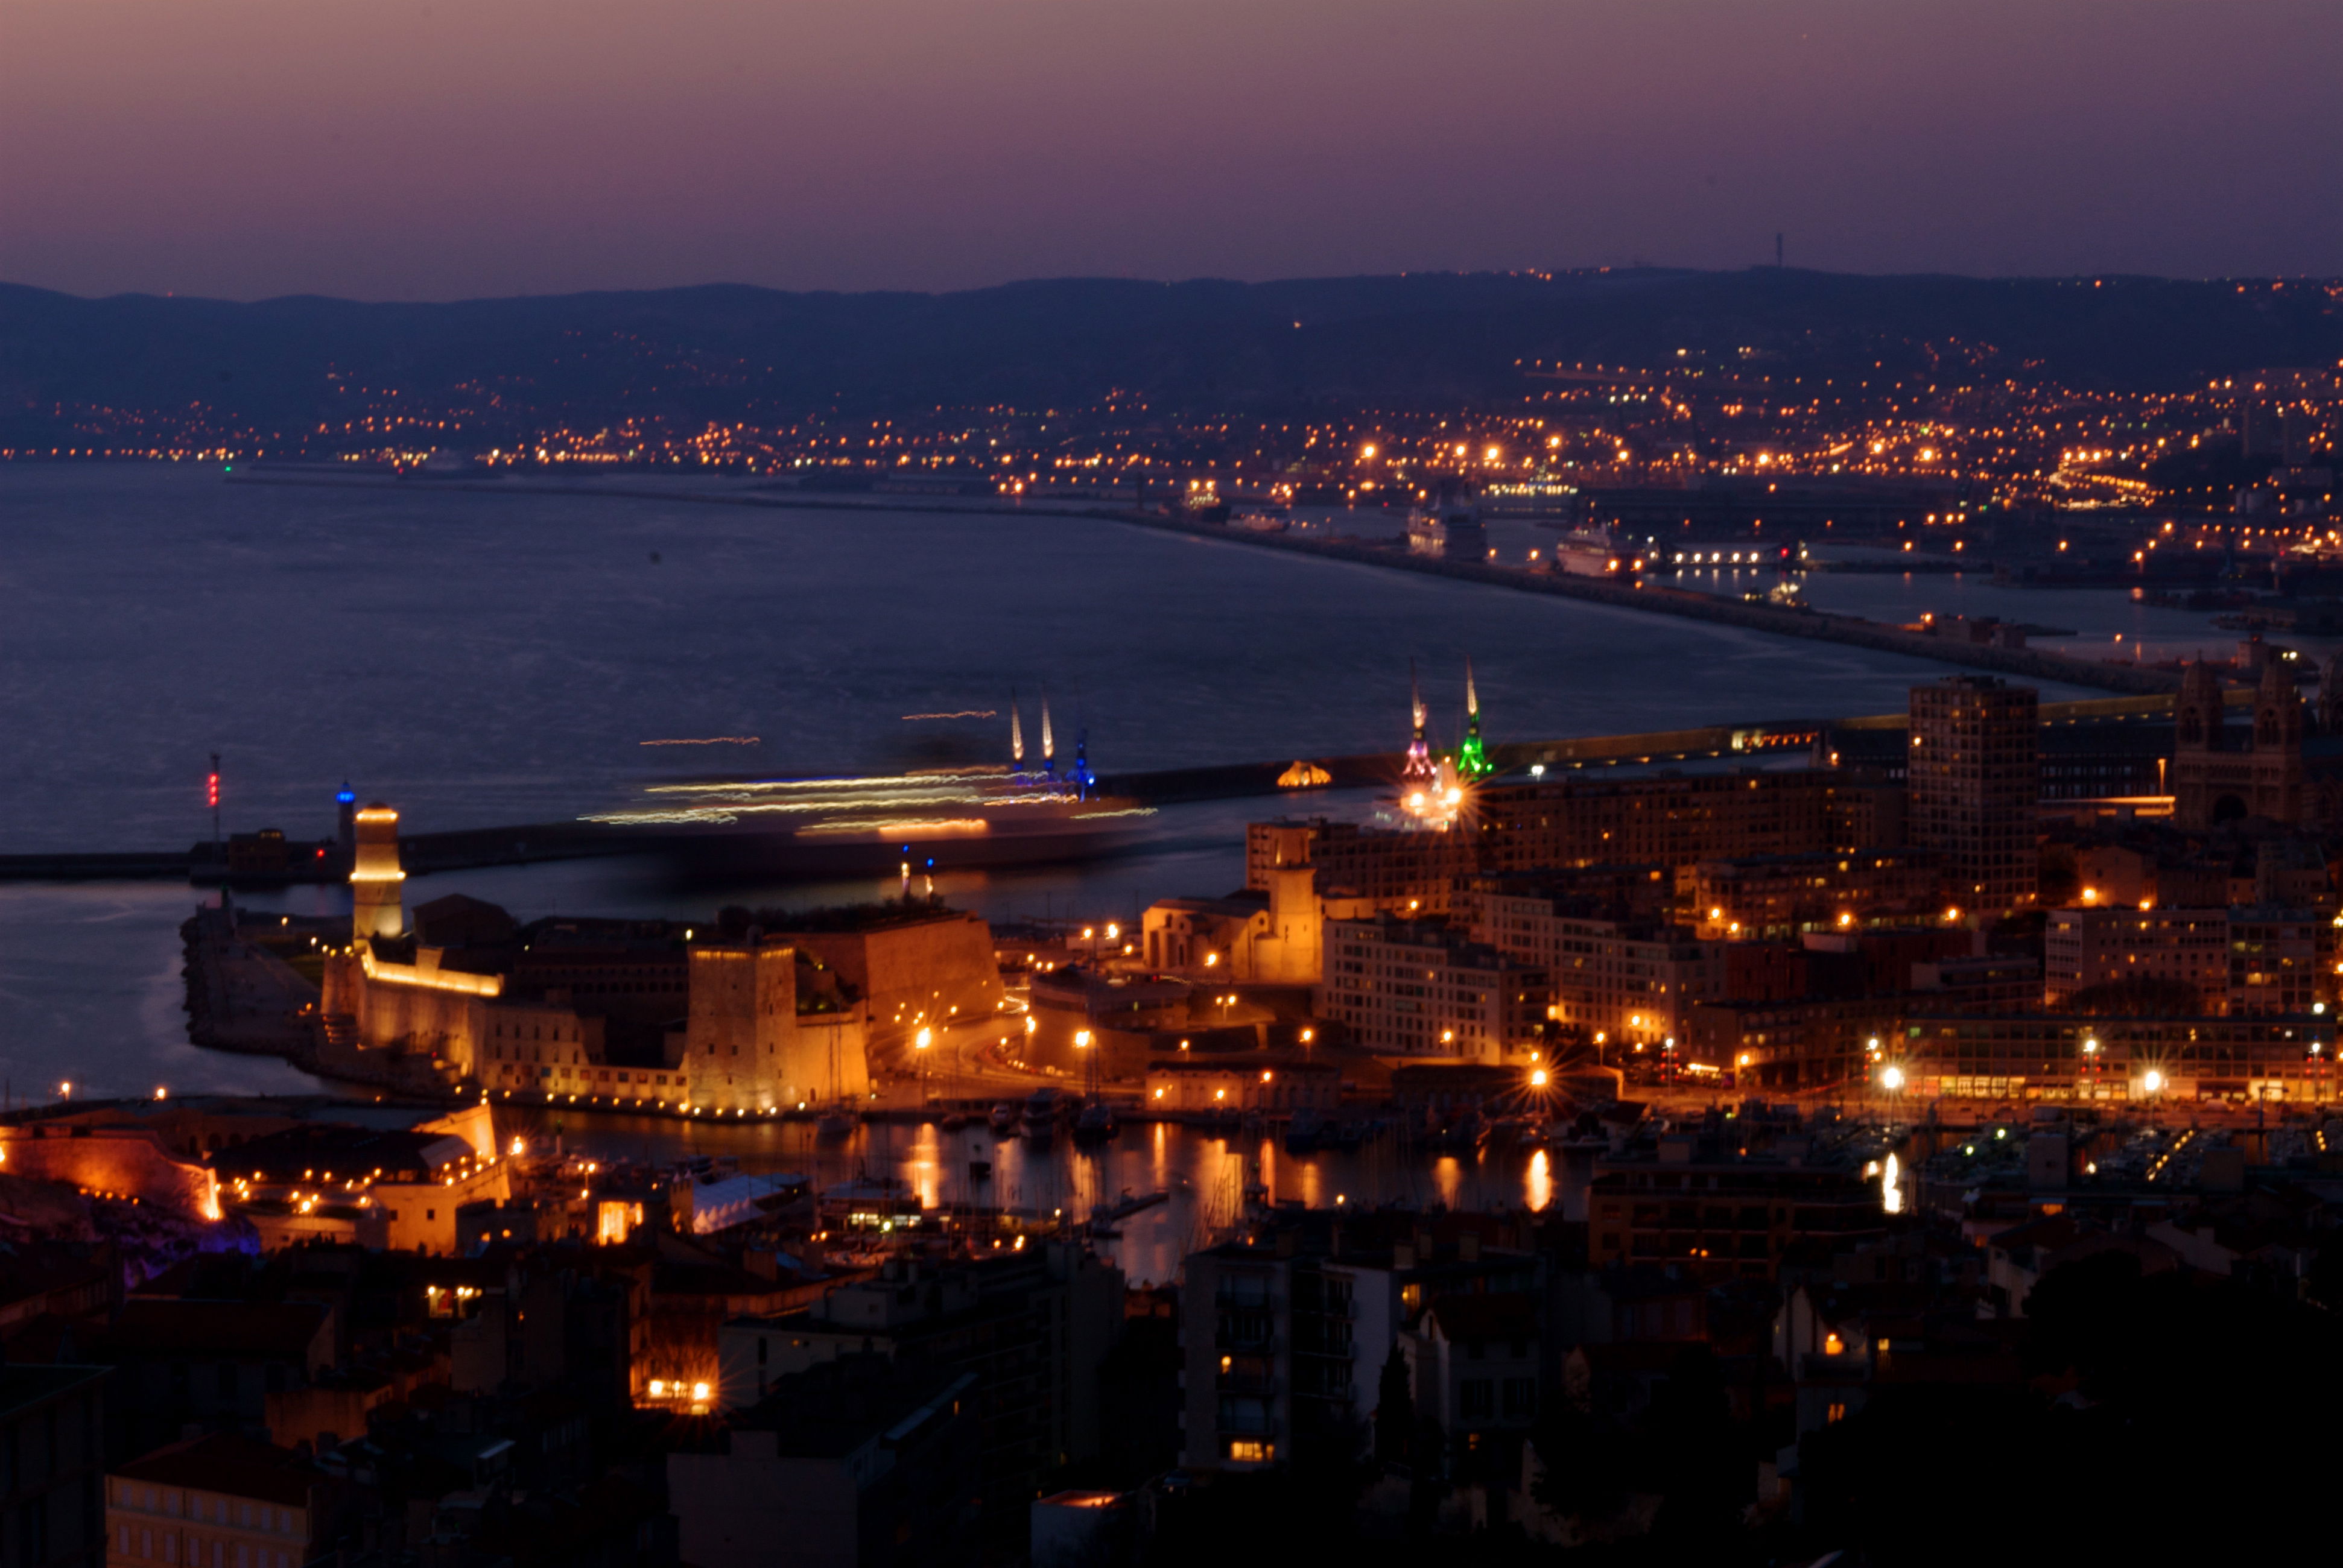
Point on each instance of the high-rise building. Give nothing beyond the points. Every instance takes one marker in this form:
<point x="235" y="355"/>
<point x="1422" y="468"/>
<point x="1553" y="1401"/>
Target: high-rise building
<point x="1973" y="780"/>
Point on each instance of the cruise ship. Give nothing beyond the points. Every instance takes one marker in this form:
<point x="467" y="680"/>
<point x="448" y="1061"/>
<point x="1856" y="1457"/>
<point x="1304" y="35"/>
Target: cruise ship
<point x="915" y="825"/>
<point x="1447" y="523"/>
<point x="1592" y="550"/>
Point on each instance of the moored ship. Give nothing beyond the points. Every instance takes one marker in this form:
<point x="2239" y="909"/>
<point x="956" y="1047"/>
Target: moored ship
<point x="1448" y="523"/>
<point x="1592" y="551"/>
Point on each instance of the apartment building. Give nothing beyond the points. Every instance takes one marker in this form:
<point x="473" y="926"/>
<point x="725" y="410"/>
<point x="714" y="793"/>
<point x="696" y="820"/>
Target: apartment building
<point x="1426" y="988"/>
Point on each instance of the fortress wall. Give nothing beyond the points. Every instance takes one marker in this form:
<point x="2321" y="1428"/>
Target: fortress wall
<point x="930" y="967"/>
<point x="124" y="1161"/>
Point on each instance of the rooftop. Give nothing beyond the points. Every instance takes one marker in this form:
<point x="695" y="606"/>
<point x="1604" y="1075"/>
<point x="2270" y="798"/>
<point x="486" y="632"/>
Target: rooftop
<point x="160" y="1326"/>
<point x="224" y="1462"/>
<point x="837" y="1406"/>
<point x="29" y="1387"/>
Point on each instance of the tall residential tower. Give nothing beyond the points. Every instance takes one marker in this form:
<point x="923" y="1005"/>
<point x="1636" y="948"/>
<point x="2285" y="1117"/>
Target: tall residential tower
<point x="1973" y="781"/>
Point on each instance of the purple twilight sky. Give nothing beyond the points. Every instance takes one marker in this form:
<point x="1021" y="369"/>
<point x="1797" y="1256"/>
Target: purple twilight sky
<point x="427" y="149"/>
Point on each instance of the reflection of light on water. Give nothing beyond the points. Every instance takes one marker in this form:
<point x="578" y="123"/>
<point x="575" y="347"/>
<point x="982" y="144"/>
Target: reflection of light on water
<point x="1541" y="1181"/>
<point x="926" y="1164"/>
<point x="1891" y="1186"/>
<point x="1448" y="1176"/>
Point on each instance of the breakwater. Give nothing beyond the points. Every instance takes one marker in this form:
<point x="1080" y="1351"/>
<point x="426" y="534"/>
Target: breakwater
<point x="2030" y="664"/>
<point x="529" y="843"/>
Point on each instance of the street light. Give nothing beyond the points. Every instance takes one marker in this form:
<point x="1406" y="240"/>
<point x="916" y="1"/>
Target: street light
<point x="1891" y="1078"/>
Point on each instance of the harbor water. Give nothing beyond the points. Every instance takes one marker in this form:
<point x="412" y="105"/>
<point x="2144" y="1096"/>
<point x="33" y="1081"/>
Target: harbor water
<point x="482" y="658"/>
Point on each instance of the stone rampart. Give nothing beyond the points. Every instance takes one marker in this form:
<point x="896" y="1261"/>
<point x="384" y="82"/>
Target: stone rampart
<point x="110" y="1162"/>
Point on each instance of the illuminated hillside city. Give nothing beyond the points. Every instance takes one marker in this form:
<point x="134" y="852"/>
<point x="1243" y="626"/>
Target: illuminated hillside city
<point x="2243" y="459"/>
<point x="1823" y="1073"/>
<point x="1720" y="1145"/>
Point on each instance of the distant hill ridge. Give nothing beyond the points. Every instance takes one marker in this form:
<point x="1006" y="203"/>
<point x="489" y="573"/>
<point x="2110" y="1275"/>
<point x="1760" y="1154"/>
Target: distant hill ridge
<point x="735" y="353"/>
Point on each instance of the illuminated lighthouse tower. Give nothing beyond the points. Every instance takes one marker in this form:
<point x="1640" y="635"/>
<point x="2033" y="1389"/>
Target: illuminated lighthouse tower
<point x="377" y="908"/>
<point x="1471" y="763"/>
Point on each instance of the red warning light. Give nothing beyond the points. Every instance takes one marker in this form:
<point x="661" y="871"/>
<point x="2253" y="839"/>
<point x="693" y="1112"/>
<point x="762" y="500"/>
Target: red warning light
<point x="211" y="791"/>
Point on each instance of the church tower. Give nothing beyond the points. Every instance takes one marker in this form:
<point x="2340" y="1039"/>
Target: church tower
<point x="2277" y="708"/>
<point x="2197" y="715"/>
<point x="2278" y="778"/>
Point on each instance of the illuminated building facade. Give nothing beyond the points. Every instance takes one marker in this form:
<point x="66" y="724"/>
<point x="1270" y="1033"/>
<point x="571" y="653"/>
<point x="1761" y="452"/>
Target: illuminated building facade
<point x="2086" y="948"/>
<point x="1973" y="778"/>
<point x="376" y="907"/>
<point x="1404" y="873"/>
<point x="2280" y="961"/>
<point x="648" y="1012"/>
<point x="1671" y="820"/>
<point x="221" y="1497"/>
<point x="1798" y="1042"/>
<point x="1630" y="981"/>
<point x="2061" y="1057"/>
<point x="1213" y="1084"/>
<point x="1425" y="987"/>
<point x="768" y="1032"/>
<point x="2253" y="958"/>
<point x="378" y="1188"/>
<point x="1784" y="895"/>
<point x="1273" y="933"/>
<point x="1729" y="1217"/>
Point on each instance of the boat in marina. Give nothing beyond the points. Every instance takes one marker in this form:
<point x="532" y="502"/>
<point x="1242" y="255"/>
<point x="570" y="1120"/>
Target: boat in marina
<point x="1304" y="1132"/>
<point x="1044" y="1107"/>
<point x="1095" y="1122"/>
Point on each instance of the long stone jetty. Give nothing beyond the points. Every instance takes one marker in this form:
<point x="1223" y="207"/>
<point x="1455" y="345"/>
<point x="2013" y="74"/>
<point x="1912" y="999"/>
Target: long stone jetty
<point x="2030" y="664"/>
